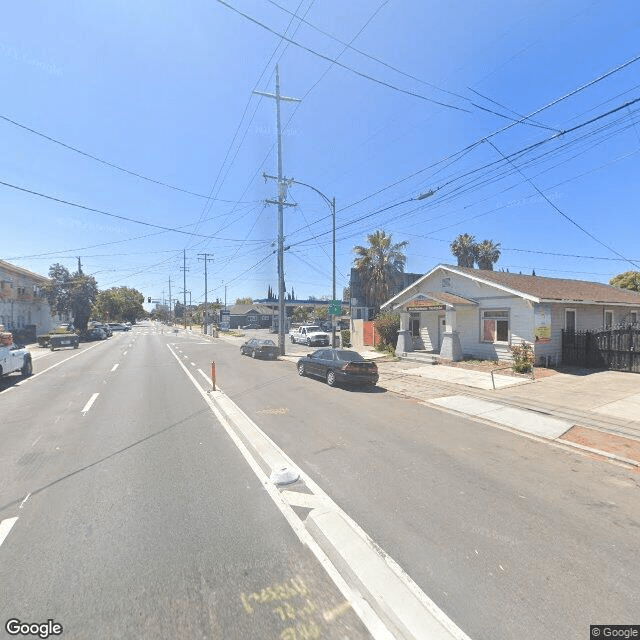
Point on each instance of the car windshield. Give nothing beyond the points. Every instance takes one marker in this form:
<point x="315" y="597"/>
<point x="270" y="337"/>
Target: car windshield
<point x="267" y="342"/>
<point x="314" y="328"/>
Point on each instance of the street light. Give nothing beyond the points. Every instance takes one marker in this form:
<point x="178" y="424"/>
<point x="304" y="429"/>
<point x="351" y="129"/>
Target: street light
<point x="332" y="205"/>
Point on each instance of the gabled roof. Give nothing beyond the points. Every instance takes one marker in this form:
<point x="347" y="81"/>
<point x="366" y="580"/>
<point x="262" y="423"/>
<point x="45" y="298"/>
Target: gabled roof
<point x="243" y="309"/>
<point x="538" y="288"/>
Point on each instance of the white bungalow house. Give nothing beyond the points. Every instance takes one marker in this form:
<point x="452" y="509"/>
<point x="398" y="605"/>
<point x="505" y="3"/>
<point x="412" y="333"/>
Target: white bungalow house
<point x="461" y="312"/>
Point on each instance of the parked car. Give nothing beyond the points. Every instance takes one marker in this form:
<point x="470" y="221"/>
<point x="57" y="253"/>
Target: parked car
<point x="99" y="325"/>
<point x="252" y="325"/>
<point x="118" y="326"/>
<point x="260" y="349"/>
<point x="339" y="365"/>
<point x="95" y="333"/>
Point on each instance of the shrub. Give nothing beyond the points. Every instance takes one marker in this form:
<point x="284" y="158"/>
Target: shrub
<point x="387" y="326"/>
<point x="345" y="335"/>
<point x="523" y="357"/>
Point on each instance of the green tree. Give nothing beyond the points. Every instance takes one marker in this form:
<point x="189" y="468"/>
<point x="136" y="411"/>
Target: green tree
<point x="302" y="314"/>
<point x="322" y="313"/>
<point x="487" y="254"/>
<point x="627" y="280"/>
<point x="119" y="304"/>
<point x="464" y="248"/>
<point x="380" y="266"/>
<point x="244" y="300"/>
<point x="72" y="294"/>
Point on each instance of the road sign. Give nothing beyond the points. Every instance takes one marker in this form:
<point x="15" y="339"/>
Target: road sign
<point x="335" y="308"/>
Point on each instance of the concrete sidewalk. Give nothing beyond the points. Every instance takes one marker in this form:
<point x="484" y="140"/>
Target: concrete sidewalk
<point x="596" y="410"/>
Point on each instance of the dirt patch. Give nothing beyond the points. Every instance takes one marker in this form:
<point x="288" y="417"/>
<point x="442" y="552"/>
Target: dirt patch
<point x="487" y="366"/>
<point x="618" y="445"/>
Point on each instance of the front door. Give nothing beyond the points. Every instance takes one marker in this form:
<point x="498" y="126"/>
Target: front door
<point x="442" y="327"/>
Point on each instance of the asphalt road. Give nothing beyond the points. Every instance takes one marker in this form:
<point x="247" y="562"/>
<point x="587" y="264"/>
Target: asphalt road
<point x="139" y="517"/>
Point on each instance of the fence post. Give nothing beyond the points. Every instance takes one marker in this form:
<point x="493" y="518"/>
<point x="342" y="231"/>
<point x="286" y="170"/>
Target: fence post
<point x="213" y="375"/>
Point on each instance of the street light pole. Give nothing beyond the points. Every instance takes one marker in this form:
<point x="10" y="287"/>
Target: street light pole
<point x="332" y="205"/>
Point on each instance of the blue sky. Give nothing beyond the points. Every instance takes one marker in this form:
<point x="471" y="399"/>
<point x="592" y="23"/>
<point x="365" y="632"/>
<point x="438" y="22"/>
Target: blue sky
<point x="164" y="90"/>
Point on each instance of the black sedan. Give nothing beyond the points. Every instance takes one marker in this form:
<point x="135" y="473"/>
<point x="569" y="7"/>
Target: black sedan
<point x="339" y="365"/>
<point x="260" y="349"/>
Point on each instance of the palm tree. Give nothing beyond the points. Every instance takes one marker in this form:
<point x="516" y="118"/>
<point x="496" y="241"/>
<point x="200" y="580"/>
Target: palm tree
<point x="380" y="265"/>
<point x="488" y="253"/>
<point x="464" y="248"/>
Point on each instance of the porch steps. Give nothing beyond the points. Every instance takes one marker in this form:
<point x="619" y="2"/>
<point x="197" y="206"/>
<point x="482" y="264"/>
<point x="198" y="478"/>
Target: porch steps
<point x="420" y="356"/>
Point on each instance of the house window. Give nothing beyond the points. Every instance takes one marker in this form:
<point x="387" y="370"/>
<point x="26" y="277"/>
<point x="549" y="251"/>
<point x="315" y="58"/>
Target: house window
<point x="495" y="325"/>
<point x="608" y="319"/>
<point x="446" y="282"/>
<point x="633" y="317"/>
<point x="414" y="325"/>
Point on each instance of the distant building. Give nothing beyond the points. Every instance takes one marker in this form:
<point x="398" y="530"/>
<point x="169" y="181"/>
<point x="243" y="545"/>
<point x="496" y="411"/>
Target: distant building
<point x="24" y="310"/>
<point x="240" y="315"/>
<point x="360" y="309"/>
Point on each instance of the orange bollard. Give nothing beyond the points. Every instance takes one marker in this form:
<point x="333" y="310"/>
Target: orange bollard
<point x="213" y="375"/>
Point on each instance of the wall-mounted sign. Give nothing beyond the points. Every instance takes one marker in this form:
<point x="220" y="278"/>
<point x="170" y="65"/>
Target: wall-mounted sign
<point x="425" y="305"/>
<point x="542" y="323"/>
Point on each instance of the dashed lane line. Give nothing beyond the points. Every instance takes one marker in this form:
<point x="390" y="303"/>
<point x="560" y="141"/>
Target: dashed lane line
<point x="5" y="527"/>
<point x="115" y="366"/>
<point x="89" y="404"/>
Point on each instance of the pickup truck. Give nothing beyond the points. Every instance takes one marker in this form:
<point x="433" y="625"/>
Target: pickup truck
<point x="309" y="335"/>
<point x="14" y="358"/>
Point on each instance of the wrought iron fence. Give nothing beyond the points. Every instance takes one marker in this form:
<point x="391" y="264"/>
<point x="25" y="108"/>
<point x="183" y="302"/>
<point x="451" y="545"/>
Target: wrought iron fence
<point x="608" y="348"/>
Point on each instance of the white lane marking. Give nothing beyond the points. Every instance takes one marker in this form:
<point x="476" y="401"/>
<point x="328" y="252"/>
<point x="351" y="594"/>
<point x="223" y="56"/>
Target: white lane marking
<point x="362" y="608"/>
<point x="36" y="440"/>
<point x="306" y="500"/>
<point x="115" y="366"/>
<point x="53" y="366"/>
<point x="204" y="375"/>
<point x="124" y="353"/>
<point x="90" y="402"/>
<point x="193" y="364"/>
<point x="185" y="357"/>
<point x="26" y="498"/>
<point x="5" y="527"/>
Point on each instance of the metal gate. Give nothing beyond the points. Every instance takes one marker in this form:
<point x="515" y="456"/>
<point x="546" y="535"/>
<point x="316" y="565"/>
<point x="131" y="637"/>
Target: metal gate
<point x="611" y="348"/>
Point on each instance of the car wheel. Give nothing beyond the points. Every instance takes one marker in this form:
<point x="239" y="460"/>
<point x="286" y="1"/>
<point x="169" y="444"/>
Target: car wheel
<point x="52" y="348"/>
<point x="308" y="342"/>
<point x="76" y="345"/>
<point x="331" y="378"/>
<point x="27" y="368"/>
<point x="301" y="371"/>
<point x="253" y="353"/>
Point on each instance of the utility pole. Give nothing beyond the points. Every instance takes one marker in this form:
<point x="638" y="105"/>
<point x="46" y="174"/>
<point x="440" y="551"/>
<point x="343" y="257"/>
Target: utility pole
<point x="170" y="303"/>
<point x="282" y="192"/>
<point x="184" y="287"/>
<point x="206" y="308"/>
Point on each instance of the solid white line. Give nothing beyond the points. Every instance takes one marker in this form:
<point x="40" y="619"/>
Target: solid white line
<point x="36" y="440"/>
<point x="204" y="375"/>
<point x="362" y="608"/>
<point x="115" y="366"/>
<point x="26" y="498"/>
<point x="90" y="402"/>
<point x="5" y="527"/>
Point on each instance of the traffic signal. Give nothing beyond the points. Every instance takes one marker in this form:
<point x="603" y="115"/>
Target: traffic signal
<point x="149" y="300"/>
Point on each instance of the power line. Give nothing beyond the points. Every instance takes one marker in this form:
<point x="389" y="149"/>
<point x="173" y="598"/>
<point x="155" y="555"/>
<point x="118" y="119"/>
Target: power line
<point x="105" y="162"/>
<point x="340" y="64"/>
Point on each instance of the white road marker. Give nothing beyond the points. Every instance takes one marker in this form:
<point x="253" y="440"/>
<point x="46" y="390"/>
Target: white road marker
<point x="115" y="366"/>
<point x="193" y="364"/>
<point x="5" y="527"/>
<point x="26" y="498"/>
<point x="124" y="353"/>
<point x="204" y="375"/>
<point x="89" y="404"/>
<point x="36" y="440"/>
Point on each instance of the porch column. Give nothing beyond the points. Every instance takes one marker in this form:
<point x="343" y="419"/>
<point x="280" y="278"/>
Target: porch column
<point x="451" y="348"/>
<point x="405" y="343"/>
